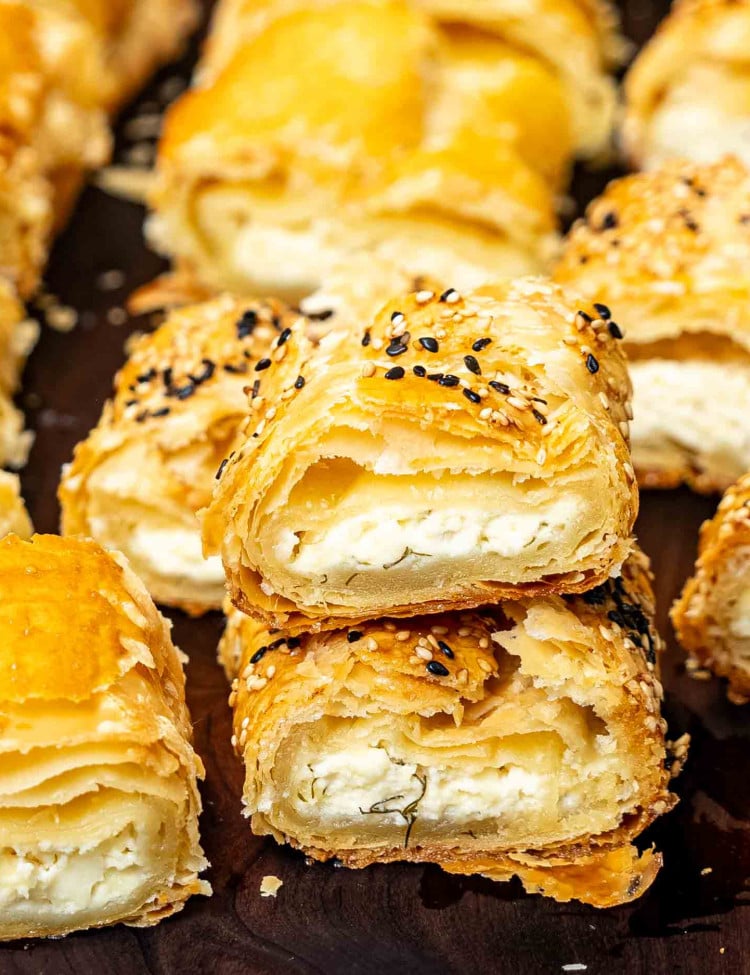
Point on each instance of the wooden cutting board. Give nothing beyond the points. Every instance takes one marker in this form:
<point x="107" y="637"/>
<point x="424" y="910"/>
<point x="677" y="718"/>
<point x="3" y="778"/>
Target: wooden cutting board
<point x="392" y="919"/>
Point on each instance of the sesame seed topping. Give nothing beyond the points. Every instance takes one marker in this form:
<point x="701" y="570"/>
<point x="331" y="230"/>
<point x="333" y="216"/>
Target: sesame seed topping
<point x="485" y="665"/>
<point x="422" y="652"/>
<point x="472" y="365"/>
<point x="247" y="323"/>
<point x="258" y="655"/>
<point x="419" y="371"/>
<point x="450" y="297"/>
<point x="539" y="417"/>
<point x="448" y="380"/>
<point x="435" y="377"/>
<point x="353" y="636"/>
<point x="299" y="382"/>
<point x="614" y="330"/>
<point x="446" y="649"/>
<point x="603" y="311"/>
<point x="422" y="297"/>
<point x="481" y="344"/>
<point x="284" y="337"/>
<point x="262" y="364"/>
<point x="366" y="338"/>
<point x="397" y="317"/>
<point x="368" y="369"/>
<point x="437" y="669"/>
<point x="397" y="372"/>
<point x="500" y="387"/>
<point x="403" y="635"/>
<point x="472" y="396"/>
<point x="592" y="363"/>
<point x="429" y="343"/>
<point x="372" y="644"/>
<point x="609" y="221"/>
<point x="397" y="347"/>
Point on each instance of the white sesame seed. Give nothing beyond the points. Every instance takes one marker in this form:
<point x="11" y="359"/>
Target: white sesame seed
<point x="484" y="642"/>
<point x="423" y="653"/>
<point x="403" y="635"/>
<point x="368" y="369"/>
<point x="485" y="666"/>
<point x="422" y="297"/>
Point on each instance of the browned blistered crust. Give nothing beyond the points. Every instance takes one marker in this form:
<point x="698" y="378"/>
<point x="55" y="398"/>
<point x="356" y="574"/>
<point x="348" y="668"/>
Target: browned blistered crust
<point x="281" y="681"/>
<point x="701" y="614"/>
<point x="300" y="394"/>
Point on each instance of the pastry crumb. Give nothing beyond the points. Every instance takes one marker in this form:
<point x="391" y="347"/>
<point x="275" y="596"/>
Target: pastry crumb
<point x="270" y="885"/>
<point x="706" y="871"/>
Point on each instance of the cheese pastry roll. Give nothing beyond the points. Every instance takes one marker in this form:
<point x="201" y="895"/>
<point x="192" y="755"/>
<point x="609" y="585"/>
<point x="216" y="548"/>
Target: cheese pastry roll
<point x="712" y="616"/>
<point x="384" y="135"/>
<point x="671" y="248"/>
<point x="138" y="479"/>
<point x="98" y="797"/>
<point x="688" y="92"/>
<point x="17" y="337"/>
<point x="521" y="739"/>
<point x="461" y="449"/>
<point x="13" y="514"/>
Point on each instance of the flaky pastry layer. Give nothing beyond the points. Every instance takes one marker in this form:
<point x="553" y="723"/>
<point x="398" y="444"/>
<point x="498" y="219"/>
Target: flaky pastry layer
<point x="521" y="739"/>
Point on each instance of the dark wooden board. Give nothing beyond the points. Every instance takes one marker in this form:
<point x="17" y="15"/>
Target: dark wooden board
<point x="397" y="919"/>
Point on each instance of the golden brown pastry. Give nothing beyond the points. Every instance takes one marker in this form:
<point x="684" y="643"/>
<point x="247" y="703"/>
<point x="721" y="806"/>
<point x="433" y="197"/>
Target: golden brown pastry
<point x="712" y="616"/>
<point x="462" y="449"/>
<point x="671" y="250"/>
<point x="98" y="797"/>
<point x="17" y="336"/>
<point x="13" y="514"/>
<point x="377" y="126"/>
<point x="688" y="92"/>
<point x="523" y="739"/>
<point x="138" y="479"/>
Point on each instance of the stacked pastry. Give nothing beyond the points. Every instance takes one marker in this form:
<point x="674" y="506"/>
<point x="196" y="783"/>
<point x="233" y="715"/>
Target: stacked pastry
<point x="688" y="92"/>
<point x="672" y="249"/>
<point x="98" y="779"/>
<point x="396" y="127"/>
<point x="65" y="66"/>
<point x="441" y="641"/>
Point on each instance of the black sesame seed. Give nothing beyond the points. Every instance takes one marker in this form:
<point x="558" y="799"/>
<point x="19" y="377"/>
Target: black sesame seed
<point x="437" y="669"/>
<point x="448" y="294"/>
<point x="396" y="347"/>
<point x="366" y="339"/>
<point x="446" y="649"/>
<point x="284" y="337"/>
<point x="397" y="316"/>
<point x="614" y="330"/>
<point x="471" y="395"/>
<point x="205" y="374"/>
<point x="235" y="369"/>
<point x="448" y="380"/>
<point x="262" y="364"/>
<point x="293" y="642"/>
<point x="603" y="311"/>
<point x="429" y="343"/>
<point x="258" y="655"/>
<point x="247" y="323"/>
<point x="435" y="377"/>
<point x="481" y="344"/>
<point x="584" y="316"/>
<point x="397" y="372"/>
<point x="353" y="636"/>
<point x="167" y="376"/>
<point x="539" y="417"/>
<point x="609" y="221"/>
<point x="500" y="387"/>
<point x="222" y="465"/>
<point x="472" y="365"/>
<point x="592" y="363"/>
<point x="130" y="402"/>
<point x="146" y="377"/>
<point x="184" y="392"/>
<point x="419" y="371"/>
<point x="299" y="382"/>
<point x="320" y="316"/>
<point x="255" y="389"/>
<point x="276" y="322"/>
<point x="164" y="411"/>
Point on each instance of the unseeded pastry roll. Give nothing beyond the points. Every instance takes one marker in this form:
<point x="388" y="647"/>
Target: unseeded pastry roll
<point x="712" y="616"/>
<point x="523" y="739"/>
<point x="98" y="797"/>
<point x="671" y="249"/>
<point x="688" y="92"/>
<point x="13" y="514"/>
<point x="137" y="481"/>
<point x="387" y="134"/>
<point x="17" y="337"/>
<point x="460" y="450"/>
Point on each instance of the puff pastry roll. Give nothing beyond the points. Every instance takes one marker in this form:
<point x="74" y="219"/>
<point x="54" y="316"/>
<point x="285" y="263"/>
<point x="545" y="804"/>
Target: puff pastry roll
<point x="671" y="250"/>
<point x="17" y="337"/>
<point x="392" y="133"/>
<point x="524" y="739"/>
<point x="13" y="514"/>
<point x="688" y="92"/>
<point x="138" y="479"/>
<point x="98" y="797"/>
<point x="462" y="449"/>
<point x="712" y="616"/>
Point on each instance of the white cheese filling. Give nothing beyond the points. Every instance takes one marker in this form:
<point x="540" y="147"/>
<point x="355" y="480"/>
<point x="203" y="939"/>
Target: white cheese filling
<point x="696" y="407"/>
<point x="700" y="131"/>
<point x="174" y="553"/>
<point x="384" y="537"/>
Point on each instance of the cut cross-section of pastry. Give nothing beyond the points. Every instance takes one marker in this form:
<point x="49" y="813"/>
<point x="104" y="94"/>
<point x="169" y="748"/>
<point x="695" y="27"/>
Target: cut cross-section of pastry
<point x="712" y="616"/>
<point x="523" y="739"/>
<point x="13" y="515"/>
<point x="688" y="92"/>
<point x="461" y="449"/>
<point x="17" y="336"/>
<point x="137" y="481"/>
<point x="98" y="797"/>
<point x="671" y="250"/>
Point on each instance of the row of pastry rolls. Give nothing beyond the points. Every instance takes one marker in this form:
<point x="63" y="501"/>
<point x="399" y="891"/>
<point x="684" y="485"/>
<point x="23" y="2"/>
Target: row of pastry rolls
<point x="520" y="739"/>
<point x="397" y="127"/>
<point x="98" y="778"/>
<point x="671" y="250"/>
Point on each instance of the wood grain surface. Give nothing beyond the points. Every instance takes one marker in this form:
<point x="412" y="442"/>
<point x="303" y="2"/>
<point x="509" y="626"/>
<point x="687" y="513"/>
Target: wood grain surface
<point x="390" y="919"/>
